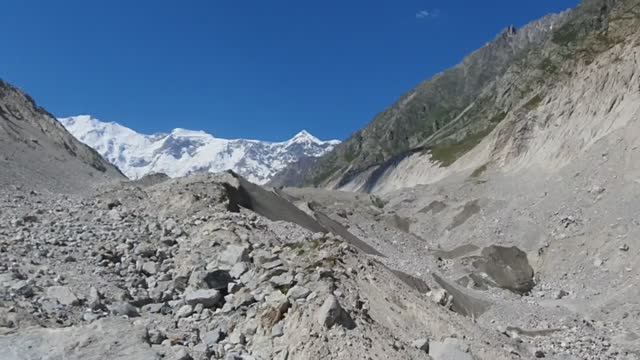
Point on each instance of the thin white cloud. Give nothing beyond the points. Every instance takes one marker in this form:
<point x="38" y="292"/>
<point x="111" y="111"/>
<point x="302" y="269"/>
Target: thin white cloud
<point x="427" y="14"/>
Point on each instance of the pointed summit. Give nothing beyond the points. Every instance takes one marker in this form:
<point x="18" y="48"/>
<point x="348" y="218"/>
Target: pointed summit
<point x="305" y="136"/>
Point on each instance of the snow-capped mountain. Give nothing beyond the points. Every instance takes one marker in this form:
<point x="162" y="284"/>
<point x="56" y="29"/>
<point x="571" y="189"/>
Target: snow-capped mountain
<point x="184" y="152"/>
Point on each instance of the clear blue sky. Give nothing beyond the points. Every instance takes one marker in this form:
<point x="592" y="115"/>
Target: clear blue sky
<point x="257" y="69"/>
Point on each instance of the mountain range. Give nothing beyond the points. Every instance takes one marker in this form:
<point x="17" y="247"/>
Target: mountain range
<point x="183" y="152"/>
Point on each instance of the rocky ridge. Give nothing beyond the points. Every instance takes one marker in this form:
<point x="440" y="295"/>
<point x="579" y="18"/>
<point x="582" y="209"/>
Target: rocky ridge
<point x="36" y="150"/>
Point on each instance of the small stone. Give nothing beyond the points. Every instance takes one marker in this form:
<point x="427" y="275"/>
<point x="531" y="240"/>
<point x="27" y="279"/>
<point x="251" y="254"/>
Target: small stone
<point x="213" y="337"/>
<point x="597" y="262"/>
<point x="560" y="294"/>
<point x="208" y="298"/>
<point x="89" y="317"/>
<point x="624" y="247"/>
<point x="124" y="309"/>
<point x="63" y="295"/>
<point x="421" y="344"/>
<point x="237" y="337"/>
<point x="155" y="336"/>
<point x="272" y="264"/>
<point x="153" y="308"/>
<point x="184" y="311"/>
<point x="238" y="269"/>
<point x="181" y="354"/>
<point x="278" y="329"/>
<point x="145" y="250"/>
<point x="440" y="296"/>
<point x="298" y="292"/>
<point x="150" y="268"/>
<point x="218" y="279"/>
<point x="331" y="313"/>
<point x="243" y="298"/>
<point x="93" y="301"/>
<point x="234" y="254"/>
<point x="539" y="354"/>
<point x="285" y="279"/>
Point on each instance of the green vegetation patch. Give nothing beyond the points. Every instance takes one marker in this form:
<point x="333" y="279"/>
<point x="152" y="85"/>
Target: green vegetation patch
<point x="533" y="103"/>
<point x="479" y="171"/>
<point x="566" y="35"/>
<point x="447" y="154"/>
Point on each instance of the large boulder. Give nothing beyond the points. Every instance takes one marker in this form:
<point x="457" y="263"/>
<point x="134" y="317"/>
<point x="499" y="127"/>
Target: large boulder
<point x="113" y="338"/>
<point x="507" y="267"/>
<point x="449" y="349"/>
<point x="331" y="313"/>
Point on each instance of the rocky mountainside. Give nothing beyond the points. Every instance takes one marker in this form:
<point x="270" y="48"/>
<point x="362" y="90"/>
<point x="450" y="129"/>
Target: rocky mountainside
<point x="184" y="152"/>
<point x="35" y="150"/>
<point x="430" y="108"/>
<point x="450" y="114"/>
<point x="544" y="120"/>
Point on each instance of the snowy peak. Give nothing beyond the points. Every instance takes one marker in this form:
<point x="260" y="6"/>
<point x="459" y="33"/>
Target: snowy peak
<point x="183" y="152"/>
<point x="304" y="137"/>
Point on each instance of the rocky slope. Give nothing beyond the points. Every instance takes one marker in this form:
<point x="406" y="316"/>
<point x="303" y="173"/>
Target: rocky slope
<point x="184" y="152"/>
<point x="208" y="275"/>
<point x="577" y="89"/>
<point x="35" y="150"/>
<point x="463" y="93"/>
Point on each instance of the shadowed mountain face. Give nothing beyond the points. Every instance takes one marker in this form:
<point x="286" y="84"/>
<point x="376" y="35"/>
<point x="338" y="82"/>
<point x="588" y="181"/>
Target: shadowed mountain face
<point x="37" y="152"/>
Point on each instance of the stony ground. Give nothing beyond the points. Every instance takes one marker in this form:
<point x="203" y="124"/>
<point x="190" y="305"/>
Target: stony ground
<point x="174" y="269"/>
<point x="578" y="227"/>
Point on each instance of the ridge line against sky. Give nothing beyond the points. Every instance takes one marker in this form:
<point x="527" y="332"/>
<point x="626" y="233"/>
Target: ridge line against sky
<point x="242" y="70"/>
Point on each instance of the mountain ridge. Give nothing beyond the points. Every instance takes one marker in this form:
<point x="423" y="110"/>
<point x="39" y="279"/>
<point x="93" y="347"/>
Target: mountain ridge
<point x="38" y="153"/>
<point x="428" y="109"/>
<point x="183" y="152"/>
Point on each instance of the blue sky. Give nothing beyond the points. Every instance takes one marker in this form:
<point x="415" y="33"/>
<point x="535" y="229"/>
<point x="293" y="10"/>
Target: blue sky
<point x="253" y="69"/>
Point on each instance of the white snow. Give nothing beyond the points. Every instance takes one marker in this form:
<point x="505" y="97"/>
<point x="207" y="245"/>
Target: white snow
<point x="183" y="151"/>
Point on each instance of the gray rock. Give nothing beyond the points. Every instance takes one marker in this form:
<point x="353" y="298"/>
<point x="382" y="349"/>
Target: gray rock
<point x="145" y="250"/>
<point x="211" y="338"/>
<point x="560" y="294"/>
<point x="111" y="338"/>
<point x="243" y="298"/>
<point x="285" y="279"/>
<point x="153" y="308"/>
<point x="184" y="311"/>
<point x="234" y="254"/>
<point x="238" y="269"/>
<point x="63" y="295"/>
<point x="123" y="309"/>
<point x="196" y="280"/>
<point x="449" y="349"/>
<point x="272" y="264"/>
<point x="155" y="336"/>
<point x="180" y="353"/>
<point x="94" y="299"/>
<point x="150" y="268"/>
<point x="298" y="292"/>
<point x="331" y="313"/>
<point x="278" y="329"/>
<point x="218" y="279"/>
<point x="237" y="337"/>
<point x="421" y="344"/>
<point x="208" y="298"/>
